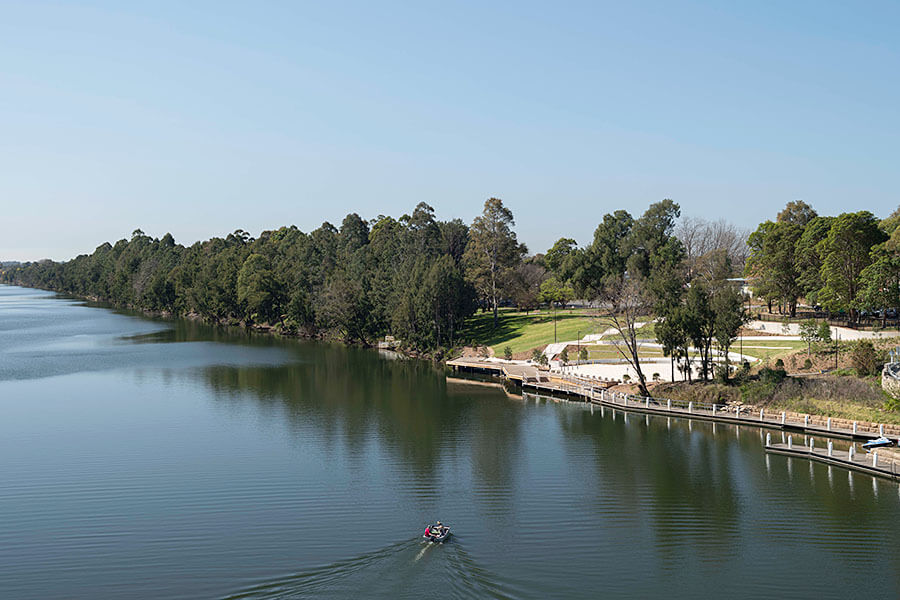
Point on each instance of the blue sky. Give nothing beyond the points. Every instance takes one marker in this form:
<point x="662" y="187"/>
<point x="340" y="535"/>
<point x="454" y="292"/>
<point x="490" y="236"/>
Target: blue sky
<point x="200" y="118"/>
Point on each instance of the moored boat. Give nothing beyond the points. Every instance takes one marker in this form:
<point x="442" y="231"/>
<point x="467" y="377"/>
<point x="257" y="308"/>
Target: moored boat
<point x="881" y="442"/>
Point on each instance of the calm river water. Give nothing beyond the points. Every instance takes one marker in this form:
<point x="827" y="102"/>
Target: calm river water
<point x="144" y="458"/>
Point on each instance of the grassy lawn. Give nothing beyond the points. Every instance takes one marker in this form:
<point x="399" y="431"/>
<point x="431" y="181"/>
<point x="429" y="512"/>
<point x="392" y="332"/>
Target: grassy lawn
<point x="523" y="332"/>
<point x="769" y="350"/>
<point x="601" y="352"/>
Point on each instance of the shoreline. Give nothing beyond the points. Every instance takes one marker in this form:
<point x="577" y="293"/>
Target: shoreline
<point x="257" y="328"/>
<point x="597" y="392"/>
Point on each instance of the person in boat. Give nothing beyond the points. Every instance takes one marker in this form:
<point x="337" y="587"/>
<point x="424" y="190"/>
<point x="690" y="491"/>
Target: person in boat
<point x="438" y="529"/>
<point x="427" y="530"/>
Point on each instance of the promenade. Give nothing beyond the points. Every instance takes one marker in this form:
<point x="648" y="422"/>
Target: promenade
<point x="598" y="392"/>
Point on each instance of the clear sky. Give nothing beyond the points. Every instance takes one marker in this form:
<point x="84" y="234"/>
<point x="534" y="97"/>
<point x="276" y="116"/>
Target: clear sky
<point x="200" y="118"/>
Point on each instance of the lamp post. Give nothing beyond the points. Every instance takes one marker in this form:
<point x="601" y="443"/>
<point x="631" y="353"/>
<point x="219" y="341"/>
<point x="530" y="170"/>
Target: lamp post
<point x="578" y="344"/>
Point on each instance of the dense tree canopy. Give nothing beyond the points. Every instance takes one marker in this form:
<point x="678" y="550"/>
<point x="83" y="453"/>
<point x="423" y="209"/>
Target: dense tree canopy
<point x="845" y="263"/>
<point x="388" y="276"/>
<point x="845" y="252"/>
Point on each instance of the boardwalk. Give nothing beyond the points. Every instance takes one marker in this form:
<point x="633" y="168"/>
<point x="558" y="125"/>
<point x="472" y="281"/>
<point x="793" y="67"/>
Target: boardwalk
<point x="595" y="391"/>
<point x="872" y="463"/>
<point x="517" y="372"/>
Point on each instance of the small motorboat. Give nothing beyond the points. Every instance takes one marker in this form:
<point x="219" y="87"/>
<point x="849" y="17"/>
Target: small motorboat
<point x="881" y="442"/>
<point x="437" y="533"/>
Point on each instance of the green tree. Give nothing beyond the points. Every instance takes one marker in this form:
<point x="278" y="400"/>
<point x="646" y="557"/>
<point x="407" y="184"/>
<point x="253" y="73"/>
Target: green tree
<point x="809" y="333"/>
<point x="558" y="258"/>
<point x="728" y="317"/>
<point x="797" y="212"/>
<point x="699" y="324"/>
<point x="772" y="263"/>
<point x="652" y="244"/>
<point x="605" y="259"/>
<point x="880" y="281"/>
<point x="257" y="289"/>
<point x="492" y="251"/>
<point x="865" y="359"/>
<point x="554" y="292"/>
<point x="845" y="253"/>
<point x="807" y="258"/>
<point x="891" y="223"/>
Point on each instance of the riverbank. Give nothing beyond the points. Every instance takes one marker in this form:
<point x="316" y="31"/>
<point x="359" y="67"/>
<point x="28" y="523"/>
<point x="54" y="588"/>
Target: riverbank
<point x="276" y="329"/>
<point x="709" y="406"/>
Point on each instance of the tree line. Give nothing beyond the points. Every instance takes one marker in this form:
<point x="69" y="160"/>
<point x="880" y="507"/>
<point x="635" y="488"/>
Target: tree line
<point x="845" y="263"/>
<point x="415" y="277"/>
<point x="419" y="278"/>
<point x="652" y="266"/>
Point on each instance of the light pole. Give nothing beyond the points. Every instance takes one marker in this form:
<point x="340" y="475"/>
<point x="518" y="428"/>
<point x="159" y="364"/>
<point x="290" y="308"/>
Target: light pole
<point x="578" y="344"/>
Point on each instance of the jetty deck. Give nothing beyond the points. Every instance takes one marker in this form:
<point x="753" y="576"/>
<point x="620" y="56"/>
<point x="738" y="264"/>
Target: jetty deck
<point x="514" y="372"/>
<point x="871" y="463"/>
<point x="597" y="392"/>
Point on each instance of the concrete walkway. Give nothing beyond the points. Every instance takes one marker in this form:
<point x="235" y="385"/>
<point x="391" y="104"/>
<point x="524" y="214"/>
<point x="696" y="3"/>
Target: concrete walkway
<point x="844" y="333"/>
<point x="662" y="366"/>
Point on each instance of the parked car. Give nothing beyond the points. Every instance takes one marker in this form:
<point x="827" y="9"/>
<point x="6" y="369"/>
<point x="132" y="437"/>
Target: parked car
<point x="891" y="313"/>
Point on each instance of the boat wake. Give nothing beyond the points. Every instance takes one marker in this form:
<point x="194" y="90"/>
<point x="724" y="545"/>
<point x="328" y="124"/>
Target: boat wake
<point x="408" y="569"/>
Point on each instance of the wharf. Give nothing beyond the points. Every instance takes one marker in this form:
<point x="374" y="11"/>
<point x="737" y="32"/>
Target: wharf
<point x="597" y="392"/>
<point x="513" y="371"/>
<point x="871" y="463"/>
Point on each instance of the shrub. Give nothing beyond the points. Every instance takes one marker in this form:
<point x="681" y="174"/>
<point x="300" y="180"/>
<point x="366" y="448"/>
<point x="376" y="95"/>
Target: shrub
<point x="543" y="359"/>
<point x="865" y="359"/>
<point x="807" y="364"/>
<point x="824" y="333"/>
<point x="564" y="355"/>
<point x="722" y="374"/>
<point x="656" y="377"/>
<point x="772" y="376"/>
<point x="583" y="354"/>
<point x="626" y="377"/>
<point x="536" y="355"/>
<point x="779" y="364"/>
<point x="507" y="353"/>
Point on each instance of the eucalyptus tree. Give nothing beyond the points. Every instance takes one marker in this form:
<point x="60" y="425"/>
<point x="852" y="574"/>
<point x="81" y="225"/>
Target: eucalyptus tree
<point x="846" y="252"/>
<point x="808" y="260"/>
<point x="492" y="251"/>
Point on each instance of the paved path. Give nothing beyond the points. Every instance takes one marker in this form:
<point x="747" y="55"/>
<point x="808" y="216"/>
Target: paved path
<point x="845" y="333"/>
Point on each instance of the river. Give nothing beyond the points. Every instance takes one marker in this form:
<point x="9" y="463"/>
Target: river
<point x="146" y="458"/>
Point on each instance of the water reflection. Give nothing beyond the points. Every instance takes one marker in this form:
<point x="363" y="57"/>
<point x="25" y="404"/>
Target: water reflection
<point x="244" y="481"/>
